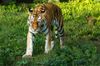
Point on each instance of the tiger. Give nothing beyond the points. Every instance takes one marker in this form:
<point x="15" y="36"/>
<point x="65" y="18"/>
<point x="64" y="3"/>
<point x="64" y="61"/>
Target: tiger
<point x="44" y="18"/>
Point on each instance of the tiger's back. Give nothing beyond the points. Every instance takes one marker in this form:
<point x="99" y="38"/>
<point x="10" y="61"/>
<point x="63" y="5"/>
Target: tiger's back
<point x="53" y="13"/>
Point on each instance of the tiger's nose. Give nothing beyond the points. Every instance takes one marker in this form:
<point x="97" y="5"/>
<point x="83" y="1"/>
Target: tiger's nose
<point x="35" y="26"/>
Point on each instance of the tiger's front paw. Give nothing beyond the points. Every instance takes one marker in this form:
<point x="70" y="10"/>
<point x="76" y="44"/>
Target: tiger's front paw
<point x="27" y="56"/>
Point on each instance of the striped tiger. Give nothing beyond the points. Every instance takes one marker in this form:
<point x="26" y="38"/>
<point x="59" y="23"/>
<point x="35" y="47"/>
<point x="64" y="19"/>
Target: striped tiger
<point x="45" y="18"/>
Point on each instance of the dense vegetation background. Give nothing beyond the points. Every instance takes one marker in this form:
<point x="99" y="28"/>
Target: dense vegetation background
<point x="82" y="36"/>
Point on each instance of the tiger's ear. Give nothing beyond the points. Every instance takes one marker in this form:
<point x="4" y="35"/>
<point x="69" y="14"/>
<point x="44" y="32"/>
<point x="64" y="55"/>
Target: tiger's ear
<point x="30" y="10"/>
<point x="43" y="8"/>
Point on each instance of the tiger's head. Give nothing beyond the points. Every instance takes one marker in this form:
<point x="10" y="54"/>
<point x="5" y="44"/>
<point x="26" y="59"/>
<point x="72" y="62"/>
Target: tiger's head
<point x="36" y="18"/>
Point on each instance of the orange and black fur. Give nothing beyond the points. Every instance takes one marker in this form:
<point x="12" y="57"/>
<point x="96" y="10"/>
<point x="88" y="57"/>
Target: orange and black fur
<point x="42" y="19"/>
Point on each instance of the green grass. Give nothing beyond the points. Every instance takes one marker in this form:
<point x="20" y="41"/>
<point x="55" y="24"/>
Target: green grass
<point x="81" y="38"/>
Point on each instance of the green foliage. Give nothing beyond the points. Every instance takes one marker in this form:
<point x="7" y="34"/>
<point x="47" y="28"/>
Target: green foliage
<point x="40" y="1"/>
<point x="79" y="37"/>
<point x="76" y="18"/>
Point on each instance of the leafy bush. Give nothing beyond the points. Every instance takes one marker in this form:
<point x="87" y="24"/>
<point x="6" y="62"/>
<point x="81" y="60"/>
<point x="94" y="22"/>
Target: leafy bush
<point x="40" y="1"/>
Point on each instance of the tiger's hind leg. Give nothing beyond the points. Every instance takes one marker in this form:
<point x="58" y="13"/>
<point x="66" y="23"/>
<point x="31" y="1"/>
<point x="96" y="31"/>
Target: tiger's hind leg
<point x="59" y="32"/>
<point x="61" y="36"/>
<point x="62" y="42"/>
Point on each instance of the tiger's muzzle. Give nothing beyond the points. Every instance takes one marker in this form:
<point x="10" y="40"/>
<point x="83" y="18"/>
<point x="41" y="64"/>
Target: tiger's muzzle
<point x="35" y="25"/>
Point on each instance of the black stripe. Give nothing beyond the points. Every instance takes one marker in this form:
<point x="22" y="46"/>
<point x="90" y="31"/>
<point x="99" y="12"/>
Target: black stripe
<point x="45" y="28"/>
<point x="60" y="28"/>
<point x="33" y="42"/>
<point x="56" y="29"/>
<point x="56" y="25"/>
<point x="46" y="33"/>
<point x="32" y="33"/>
<point x="62" y="31"/>
<point x="52" y="27"/>
<point x="61" y="35"/>
<point x="56" y="34"/>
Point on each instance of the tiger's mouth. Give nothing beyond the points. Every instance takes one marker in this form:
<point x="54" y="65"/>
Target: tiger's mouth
<point x="34" y="31"/>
